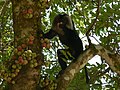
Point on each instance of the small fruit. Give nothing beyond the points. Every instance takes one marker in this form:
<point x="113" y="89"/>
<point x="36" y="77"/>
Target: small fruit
<point x="5" y="74"/>
<point x="42" y="40"/>
<point x="17" y="70"/>
<point x="41" y="35"/>
<point x="2" y="71"/>
<point x="44" y="45"/>
<point x="16" y="51"/>
<point x="21" y="61"/>
<point x="29" y="58"/>
<point x="13" y="82"/>
<point x="16" y="61"/>
<point x="16" y="73"/>
<point x="20" y="58"/>
<point x="14" y="66"/>
<point x="24" y="57"/>
<point x="32" y="61"/>
<point x="13" y="57"/>
<point x="30" y="10"/>
<point x="19" y="53"/>
<point x="25" y="62"/>
<point x="9" y="79"/>
<point x="35" y="64"/>
<point x="46" y="40"/>
<point x="24" y="11"/>
<point x="29" y="51"/>
<point x="23" y="45"/>
<point x="13" y="75"/>
<point x="30" y="42"/>
<point x="19" y="48"/>
<point x="31" y="65"/>
<point x="48" y="46"/>
<point x="19" y="67"/>
<point x="30" y="15"/>
<point x="31" y="38"/>
<point x="34" y="55"/>
<point x="13" y="70"/>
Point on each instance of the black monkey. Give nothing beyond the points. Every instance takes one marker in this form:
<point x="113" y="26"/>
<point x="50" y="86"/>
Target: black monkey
<point x="63" y="27"/>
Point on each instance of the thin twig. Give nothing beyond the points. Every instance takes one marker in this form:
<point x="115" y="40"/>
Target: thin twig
<point x="94" y="22"/>
<point x="95" y="39"/>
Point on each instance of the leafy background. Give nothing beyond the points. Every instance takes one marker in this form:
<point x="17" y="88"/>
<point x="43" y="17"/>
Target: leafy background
<point x="106" y="32"/>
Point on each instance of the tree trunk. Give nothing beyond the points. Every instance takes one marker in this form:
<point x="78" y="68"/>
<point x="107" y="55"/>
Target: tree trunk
<point x="26" y="16"/>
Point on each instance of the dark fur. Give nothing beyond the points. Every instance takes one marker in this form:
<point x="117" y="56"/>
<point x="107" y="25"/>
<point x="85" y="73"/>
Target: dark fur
<point x="63" y="27"/>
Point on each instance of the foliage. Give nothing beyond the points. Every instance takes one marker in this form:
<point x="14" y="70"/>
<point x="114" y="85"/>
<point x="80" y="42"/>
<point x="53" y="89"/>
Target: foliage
<point x="106" y="32"/>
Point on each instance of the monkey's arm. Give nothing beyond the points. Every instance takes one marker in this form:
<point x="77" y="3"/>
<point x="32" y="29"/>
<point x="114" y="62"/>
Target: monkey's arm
<point x="49" y="34"/>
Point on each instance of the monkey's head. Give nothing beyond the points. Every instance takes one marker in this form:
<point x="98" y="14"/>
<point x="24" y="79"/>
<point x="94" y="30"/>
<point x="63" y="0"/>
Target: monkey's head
<point x="61" y="21"/>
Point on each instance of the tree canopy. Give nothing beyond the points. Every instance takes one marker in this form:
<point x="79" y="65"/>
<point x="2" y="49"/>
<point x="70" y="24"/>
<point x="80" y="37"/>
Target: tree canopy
<point x="98" y="25"/>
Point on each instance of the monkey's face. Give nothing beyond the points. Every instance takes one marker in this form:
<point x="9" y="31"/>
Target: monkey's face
<point x="58" y="20"/>
<point x="61" y="21"/>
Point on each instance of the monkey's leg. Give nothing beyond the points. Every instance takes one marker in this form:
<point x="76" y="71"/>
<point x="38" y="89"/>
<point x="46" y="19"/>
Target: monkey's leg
<point x="61" y="58"/>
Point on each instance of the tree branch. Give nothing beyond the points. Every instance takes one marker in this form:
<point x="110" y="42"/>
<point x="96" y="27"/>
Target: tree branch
<point x="90" y="28"/>
<point x="74" y="68"/>
<point x="112" y="59"/>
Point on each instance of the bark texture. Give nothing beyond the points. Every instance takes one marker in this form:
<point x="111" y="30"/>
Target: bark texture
<point x="112" y="59"/>
<point x="26" y="17"/>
